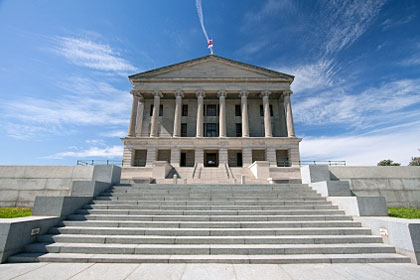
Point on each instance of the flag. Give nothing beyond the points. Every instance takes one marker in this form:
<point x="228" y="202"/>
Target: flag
<point x="210" y="43"/>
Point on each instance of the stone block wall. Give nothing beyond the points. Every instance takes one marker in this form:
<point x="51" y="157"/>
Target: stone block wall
<point x="400" y="185"/>
<point x="19" y="185"/>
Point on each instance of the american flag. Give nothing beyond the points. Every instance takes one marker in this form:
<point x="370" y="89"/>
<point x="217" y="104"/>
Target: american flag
<point x="210" y="43"/>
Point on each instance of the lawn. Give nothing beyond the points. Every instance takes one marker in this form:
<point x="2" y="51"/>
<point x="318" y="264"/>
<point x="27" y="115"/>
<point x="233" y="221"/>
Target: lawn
<point x="406" y="213"/>
<point x="14" y="212"/>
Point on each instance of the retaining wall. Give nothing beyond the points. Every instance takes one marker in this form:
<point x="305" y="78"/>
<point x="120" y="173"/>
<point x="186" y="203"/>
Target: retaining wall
<point x="20" y="184"/>
<point x="400" y="185"/>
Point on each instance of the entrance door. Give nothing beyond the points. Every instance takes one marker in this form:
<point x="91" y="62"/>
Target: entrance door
<point x="211" y="160"/>
<point x="183" y="159"/>
<point x="239" y="159"/>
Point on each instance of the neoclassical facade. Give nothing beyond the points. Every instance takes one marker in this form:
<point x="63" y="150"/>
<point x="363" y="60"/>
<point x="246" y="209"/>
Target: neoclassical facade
<point x="213" y="120"/>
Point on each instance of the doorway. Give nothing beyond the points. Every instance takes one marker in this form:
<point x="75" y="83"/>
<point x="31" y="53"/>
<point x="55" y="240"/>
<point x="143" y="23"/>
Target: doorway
<point x="211" y="158"/>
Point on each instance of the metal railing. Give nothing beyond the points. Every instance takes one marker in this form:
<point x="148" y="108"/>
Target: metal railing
<point x="328" y="162"/>
<point x="87" y="162"/>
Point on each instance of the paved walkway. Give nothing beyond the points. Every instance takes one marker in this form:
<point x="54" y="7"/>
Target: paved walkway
<point x="85" y="271"/>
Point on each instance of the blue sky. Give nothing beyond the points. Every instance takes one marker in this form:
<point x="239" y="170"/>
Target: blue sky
<point x="64" y="91"/>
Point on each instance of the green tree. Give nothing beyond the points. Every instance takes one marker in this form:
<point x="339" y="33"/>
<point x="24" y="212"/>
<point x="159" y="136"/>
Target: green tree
<point x="388" y="162"/>
<point x="415" y="161"/>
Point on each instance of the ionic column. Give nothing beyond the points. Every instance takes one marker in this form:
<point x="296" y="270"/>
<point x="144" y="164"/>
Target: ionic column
<point x="222" y="114"/>
<point x="155" y="117"/>
<point x="200" y="100"/>
<point x="179" y="94"/>
<point x="267" y="118"/>
<point x="244" y="112"/>
<point x="139" y="120"/>
<point x="133" y="114"/>
<point x="289" y="115"/>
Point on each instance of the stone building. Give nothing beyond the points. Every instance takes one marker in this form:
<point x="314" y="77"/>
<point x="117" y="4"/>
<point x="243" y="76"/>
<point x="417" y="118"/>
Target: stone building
<point x="212" y="120"/>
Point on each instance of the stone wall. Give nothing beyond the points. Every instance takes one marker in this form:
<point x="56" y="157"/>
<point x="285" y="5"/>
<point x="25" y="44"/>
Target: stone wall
<point x="20" y="184"/>
<point x="400" y="185"/>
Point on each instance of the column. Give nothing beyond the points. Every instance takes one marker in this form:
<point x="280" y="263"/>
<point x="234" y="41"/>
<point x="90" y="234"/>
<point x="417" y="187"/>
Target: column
<point x="150" y="157"/>
<point x="271" y="156"/>
<point x="133" y="114"/>
<point x="222" y="113"/>
<point x="246" y="156"/>
<point x="267" y="117"/>
<point x="244" y="112"/>
<point x="155" y="117"/>
<point x="223" y="156"/>
<point x="179" y="94"/>
<point x="175" y="157"/>
<point x="200" y="100"/>
<point x="140" y="112"/>
<point x="289" y="115"/>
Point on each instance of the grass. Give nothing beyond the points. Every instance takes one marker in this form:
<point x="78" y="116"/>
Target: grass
<point x="14" y="212"/>
<point x="405" y="213"/>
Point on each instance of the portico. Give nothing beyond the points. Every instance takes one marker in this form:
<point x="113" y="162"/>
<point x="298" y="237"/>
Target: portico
<point x="211" y="112"/>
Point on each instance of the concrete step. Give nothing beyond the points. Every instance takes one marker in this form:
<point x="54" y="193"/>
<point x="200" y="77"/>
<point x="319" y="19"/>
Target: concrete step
<point x="224" y="225"/>
<point x="317" y="200"/>
<point x="211" y="207"/>
<point x="208" y="231"/>
<point x="222" y="196"/>
<point x="230" y="259"/>
<point x="145" y="239"/>
<point x="211" y="212"/>
<point x="109" y="217"/>
<point x="209" y="249"/>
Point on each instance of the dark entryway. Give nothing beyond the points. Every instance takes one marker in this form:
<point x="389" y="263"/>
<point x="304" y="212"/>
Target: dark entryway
<point x="211" y="159"/>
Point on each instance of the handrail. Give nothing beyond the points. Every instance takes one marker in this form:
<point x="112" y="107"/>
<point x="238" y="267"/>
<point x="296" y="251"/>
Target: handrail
<point x="327" y="162"/>
<point x="195" y="168"/>
<point x="98" y="162"/>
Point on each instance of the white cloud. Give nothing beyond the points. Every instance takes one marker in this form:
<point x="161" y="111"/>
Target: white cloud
<point x="114" y="133"/>
<point x="311" y="76"/>
<point x="89" y="102"/>
<point x="394" y="22"/>
<point x="107" y="152"/>
<point x="371" y="107"/>
<point x="91" y="54"/>
<point x="343" y="22"/>
<point x="398" y="145"/>
<point x="270" y="7"/>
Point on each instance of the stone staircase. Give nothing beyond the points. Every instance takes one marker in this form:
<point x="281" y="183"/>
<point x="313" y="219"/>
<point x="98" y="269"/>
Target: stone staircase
<point x="279" y="223"/>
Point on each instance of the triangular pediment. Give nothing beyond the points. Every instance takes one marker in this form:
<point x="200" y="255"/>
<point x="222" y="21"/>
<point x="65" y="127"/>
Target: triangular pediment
<point x="209" y="67"/>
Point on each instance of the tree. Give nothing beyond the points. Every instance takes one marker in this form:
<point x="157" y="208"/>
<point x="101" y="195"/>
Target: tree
<point x="415" y="161"/>
<point x="388" y="162"/>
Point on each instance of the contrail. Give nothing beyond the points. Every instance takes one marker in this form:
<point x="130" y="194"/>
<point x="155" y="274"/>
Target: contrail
<point x="200" y="16"/>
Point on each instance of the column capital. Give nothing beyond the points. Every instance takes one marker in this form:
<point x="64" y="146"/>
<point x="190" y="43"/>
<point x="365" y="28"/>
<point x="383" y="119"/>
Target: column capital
<point x="287" y="92"/>
<point x="136" y="93"/>
<point x="157" y="93"/>
<point x="243" y="93"/>
<point x="200" y="93"/>
<point x="222" y="93"/>
<point x="179" y="93"/>
<point x="265" y="93"/>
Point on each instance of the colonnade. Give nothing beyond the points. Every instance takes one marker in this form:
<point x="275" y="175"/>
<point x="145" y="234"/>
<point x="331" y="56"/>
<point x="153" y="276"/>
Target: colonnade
<point x="137" y="111"/>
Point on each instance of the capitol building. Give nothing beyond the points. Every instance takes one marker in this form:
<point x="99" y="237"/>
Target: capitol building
<point x="211" y="120"/>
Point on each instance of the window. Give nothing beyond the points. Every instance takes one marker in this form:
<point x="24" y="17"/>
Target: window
<point x="211" y="110"/>
<point x="262" y="110"/>
<point x="185" y="110"/>
<point x="238" y="130"/>
<point x="160" y="110"/>
<point x="210" y="130"/>
<point x="183" y="130"/>
<point x="237" y="110"/>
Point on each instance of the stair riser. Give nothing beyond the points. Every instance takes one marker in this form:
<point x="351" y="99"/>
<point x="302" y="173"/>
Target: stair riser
<point x="279" y="202"/>
<point x="203" y="259"/>
<point x="207" y="218"/>
<point x="208" y="240"/>
<point x="212" y="212"/>
<point x="212" y="225"/>
<point x="202" y="232"/>
<point x="144" y="207"/>
<point x="211" y="251"/>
